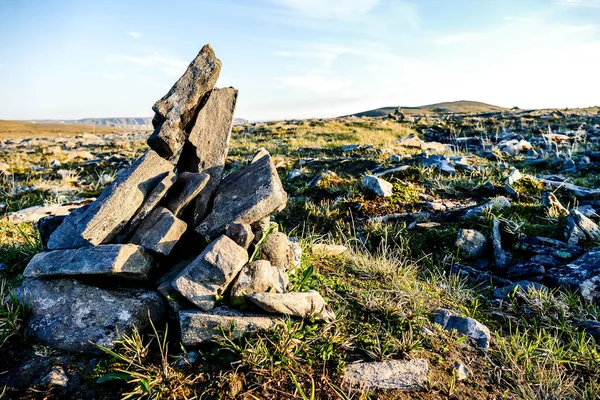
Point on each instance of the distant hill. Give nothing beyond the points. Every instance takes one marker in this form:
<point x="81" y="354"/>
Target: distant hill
<point x="450" y="107"/>
<point x="126" y="123"/>
<point x="24" y="129"/>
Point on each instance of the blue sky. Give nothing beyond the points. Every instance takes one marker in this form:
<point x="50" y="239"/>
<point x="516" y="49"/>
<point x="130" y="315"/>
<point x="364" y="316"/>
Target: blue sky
<point x="65" y="59"/>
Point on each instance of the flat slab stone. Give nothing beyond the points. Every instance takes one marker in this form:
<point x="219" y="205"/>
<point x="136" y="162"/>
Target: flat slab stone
<point x="186" y="189"/>
<point x="178" y="107"/>
<point x="207" y="145"/>
<point x="246" y="195"/>
<point x="392" y="374"/>
<point x="118" y="260"/>
<point x="69" y="315"/>
<point x="160" y="232"/>
<point x="297" y="304"/>
<point x="102" y="220"/>
<point x="209" y="274"/>
<point x="199" y="327"/>
<point x="35" y="213"/>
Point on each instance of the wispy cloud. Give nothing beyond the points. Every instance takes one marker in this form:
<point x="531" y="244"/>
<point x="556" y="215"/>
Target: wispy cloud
<point x="456" y="38"/>
<point x="330" y="9"/>
<point x="579" y="3"/>
<point x="320" y="84"/>
<point x="133" y="34"/>
<point x="112" y="77"/>
<point x="167" y="65"/>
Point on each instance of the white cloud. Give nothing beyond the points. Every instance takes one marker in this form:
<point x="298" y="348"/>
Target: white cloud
<point x="112" y="77"/>
<point x="330" y="9"/>
<point x="456" y="38"/>
<point x="167" y="65"/>
<point x="135" y="35"/>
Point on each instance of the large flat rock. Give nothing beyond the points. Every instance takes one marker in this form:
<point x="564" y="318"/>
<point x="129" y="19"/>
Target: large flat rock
<point x="72" y="316"/>
<point x="118" y="260"/>
<point x="199" y="327"/>
<point x="102" y="220"/>
<point x="209" y="274"/>
<point x="178" y="107"/>
<point x="206" y="147"/>
<point x="297" y="304"/>
<point x="392" y="374"/>
<point x="247" y="195"/>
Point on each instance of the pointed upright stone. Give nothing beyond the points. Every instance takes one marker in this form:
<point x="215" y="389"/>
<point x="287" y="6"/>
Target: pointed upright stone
<point x="206" y="147"/>
<point x="246" y="195"/>
<point x="103" y="219"/>
<point x="178" y="108"/>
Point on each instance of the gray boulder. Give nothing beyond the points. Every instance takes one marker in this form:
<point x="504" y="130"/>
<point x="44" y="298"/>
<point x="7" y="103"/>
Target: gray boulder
<point x="177" y="108"/>
<point x="209" y="274"/>
<point x="465" y="325"/>
<point x="297" y="304"/>
<point x="72" y="316"/>
<point x="581" y="275"/>
<point x="278" y="250"/>
<point x="392" y="374"/>
<point x="580" y="227"/>
<point x="199" y="327"/>
<point x="119" y="260"/>
<point x="258" y="276"/>
<point x="206" y="147"/>
<point x="378" y="186"/>
<point x="471" y="242"/>
<point x="247" y="195"/>
<point x="102" y="220"/>
<point x="160" y="232"/>
<point x="240" y="233"/>
<point x="186" y="189"/>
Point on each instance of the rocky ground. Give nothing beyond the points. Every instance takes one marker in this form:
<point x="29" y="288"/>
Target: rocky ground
<point x="457" y="252"/>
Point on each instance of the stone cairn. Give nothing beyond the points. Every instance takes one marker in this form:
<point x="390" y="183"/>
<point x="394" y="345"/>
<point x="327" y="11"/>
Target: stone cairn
<point x="171" y="231"/>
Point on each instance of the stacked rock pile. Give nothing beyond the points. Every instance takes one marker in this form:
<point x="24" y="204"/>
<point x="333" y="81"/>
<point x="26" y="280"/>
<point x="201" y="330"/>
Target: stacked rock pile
<point x="171" y="229"/>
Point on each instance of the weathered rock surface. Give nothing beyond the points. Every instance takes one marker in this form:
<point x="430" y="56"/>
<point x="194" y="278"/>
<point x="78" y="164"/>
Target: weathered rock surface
<point x="580" y="228"/>
<point x="378" y="186"/>
<point x="501" y="257"/>
<point x="102" y="220"/>
<point x="258" y="276"/>
<point x="178" y="107"/>
<point x="119" y="260"/>
<point x="71" y="316"/>
<point x="392" y="374"/>
<point x="297" y="304"/>
<point x="209" y="274"/>
<point x="530" y="271"/>
<point x="277" y="249"/>
<point x="465" y="325"/>
<point x="150" y="203"/>
<point x="55" y="378"/>
<point x="206" y="147"/>
<point x="35" y="213"/>
<point x="47" y="225"/>
<point x="199" y="327"/>
<point x="247" y="195"/>
<point x="241" y="234"/>
<point x="186" y="189"/>
<point x="581" y="275"/>
<point x="160" y="231"/>
<point x="496" y="203"/>
<point x="471" y="242"/>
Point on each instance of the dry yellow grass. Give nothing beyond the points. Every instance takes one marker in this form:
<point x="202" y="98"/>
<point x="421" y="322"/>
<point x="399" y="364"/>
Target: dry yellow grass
<point x="21" y="129"/>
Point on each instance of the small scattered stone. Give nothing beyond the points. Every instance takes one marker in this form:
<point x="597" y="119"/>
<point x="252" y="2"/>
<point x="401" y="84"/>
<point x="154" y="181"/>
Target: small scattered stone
<point x="377" y="185"/>
<point x="496" y="203"/>
<point x="297" y="304"/>
<point x="465" y="325"/>
<point x="461" y="371"/>
<point x="294" y="173"/>
<point x="392" y="374"/>
<point x="471" y="242"/>
<point x="56" y="377"/>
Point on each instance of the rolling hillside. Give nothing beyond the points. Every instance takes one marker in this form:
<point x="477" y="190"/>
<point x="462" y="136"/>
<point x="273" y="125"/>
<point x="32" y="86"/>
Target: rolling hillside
<point x="451" y="107"/>
<point x="22" y="129"/>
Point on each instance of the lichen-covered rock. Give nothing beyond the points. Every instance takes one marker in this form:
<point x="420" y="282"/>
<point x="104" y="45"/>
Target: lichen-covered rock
<point x="278" y="251"/>
<point x="297" y="304"/>
<point x="392" y="374"/>
<point x="72" y="316"/>
<point x="102" y="220"/>
<point x="199" y="327"/>
<point x="471" y="242"/>
<point x="247" y="195"/>
<point x="117" y="260"/>
<point x="258" y="276"/>
<point x="209" y="274"/>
